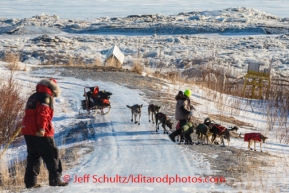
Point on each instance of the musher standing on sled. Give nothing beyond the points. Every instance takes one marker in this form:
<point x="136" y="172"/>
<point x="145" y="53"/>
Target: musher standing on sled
<point x="38" y="132"/>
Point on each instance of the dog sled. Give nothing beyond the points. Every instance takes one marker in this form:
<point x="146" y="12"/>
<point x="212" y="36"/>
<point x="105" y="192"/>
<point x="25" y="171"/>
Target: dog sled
<point x="95" y="102"/>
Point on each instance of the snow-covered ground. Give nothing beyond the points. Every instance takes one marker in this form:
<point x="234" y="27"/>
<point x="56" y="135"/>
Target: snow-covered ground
<point x="128" y="150"/>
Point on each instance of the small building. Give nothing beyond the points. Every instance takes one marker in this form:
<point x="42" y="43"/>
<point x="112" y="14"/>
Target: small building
<point x="114" y="57"/>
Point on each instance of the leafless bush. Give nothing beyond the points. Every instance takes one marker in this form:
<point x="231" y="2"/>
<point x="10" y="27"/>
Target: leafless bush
<point x="137" y="67"/>
<point x="11" y="108"/>
<point x="277" y="106"/>
<point x="12" y="59"/>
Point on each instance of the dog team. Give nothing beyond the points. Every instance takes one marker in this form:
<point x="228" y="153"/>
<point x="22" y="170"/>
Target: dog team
<point x="185" y="126"/>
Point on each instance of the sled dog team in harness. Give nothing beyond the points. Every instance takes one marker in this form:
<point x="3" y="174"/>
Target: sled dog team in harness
<point x="38" y="130"/>
<point x="186" y="126"/>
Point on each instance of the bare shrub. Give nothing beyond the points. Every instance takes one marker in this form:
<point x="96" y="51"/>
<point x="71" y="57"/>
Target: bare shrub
<point x="12" y="59"/>
<point x="11" y="113"/>
<point x="137" y="67"/>
<point x="11" y="106"/>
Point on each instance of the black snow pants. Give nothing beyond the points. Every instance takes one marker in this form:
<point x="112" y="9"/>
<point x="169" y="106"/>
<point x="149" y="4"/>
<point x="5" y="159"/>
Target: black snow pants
<point x="45" y="148"/>
<point x="179" y="131"/>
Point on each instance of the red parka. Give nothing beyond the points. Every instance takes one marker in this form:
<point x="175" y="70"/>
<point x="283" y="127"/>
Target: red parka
<point x="39" y="109"/>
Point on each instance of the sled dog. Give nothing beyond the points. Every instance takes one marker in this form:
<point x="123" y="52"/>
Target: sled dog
<point x="254" y="137"/>
<point x="135" y="111"/>
<point x="163" y="119"/>
<point x="152" y="110"/>
<point x="203" y="132"/>
<point x="219" y="130"/>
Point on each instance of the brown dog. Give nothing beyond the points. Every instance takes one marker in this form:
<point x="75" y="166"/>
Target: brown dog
<point x="153" y="109"/>
<point x="163" y="119"/>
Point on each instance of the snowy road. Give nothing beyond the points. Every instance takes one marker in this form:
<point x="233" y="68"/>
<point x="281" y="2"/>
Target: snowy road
<point x="124" y="149"/>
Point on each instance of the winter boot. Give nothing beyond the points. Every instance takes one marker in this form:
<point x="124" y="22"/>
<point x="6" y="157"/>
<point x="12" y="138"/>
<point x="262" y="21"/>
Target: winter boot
<point x="58" y="183"/>
<point x="35" y="186"/>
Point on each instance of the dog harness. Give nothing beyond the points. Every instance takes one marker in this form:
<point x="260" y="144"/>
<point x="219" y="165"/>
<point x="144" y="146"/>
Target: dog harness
<point x="220" y="128"/>
<point x="253" y="136"/>
<point x="161" y="115"/>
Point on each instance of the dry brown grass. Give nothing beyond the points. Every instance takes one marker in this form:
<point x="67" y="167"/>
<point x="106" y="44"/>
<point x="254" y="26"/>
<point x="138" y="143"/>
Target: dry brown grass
<point x="173" y="76"/>
<point x="79" y="61"/>
<point x="148" y="71"/>
<point x="70" y="61"/>
<point x="97" y="62"/>
<point x="12" y="177"/>
<point x="12" y="59"/>
<point x="137" y="67"/>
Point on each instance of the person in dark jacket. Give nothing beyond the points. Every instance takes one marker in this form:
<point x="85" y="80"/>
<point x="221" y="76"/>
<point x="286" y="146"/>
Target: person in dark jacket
<point x="182" y="112"/>
<point x="38" y="132"/>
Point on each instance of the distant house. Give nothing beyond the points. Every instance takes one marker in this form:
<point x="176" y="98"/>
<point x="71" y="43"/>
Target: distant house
<point x="114" y="57"/>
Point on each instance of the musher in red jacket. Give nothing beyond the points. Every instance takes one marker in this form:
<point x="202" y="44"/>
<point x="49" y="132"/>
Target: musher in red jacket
<point x="38" y="132"/>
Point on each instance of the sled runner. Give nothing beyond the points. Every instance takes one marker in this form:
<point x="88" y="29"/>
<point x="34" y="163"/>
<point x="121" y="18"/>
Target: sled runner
<point x="96" y="102"/>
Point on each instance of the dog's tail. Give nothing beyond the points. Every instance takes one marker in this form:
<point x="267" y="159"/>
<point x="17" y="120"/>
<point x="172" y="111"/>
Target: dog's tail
<point x="128" y="106"/>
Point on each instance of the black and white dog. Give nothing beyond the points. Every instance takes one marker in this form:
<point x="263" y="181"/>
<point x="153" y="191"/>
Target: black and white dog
<point x="219" y="130"/>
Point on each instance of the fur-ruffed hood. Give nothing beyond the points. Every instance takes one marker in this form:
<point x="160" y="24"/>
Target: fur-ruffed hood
<point x="52" y="85"/>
